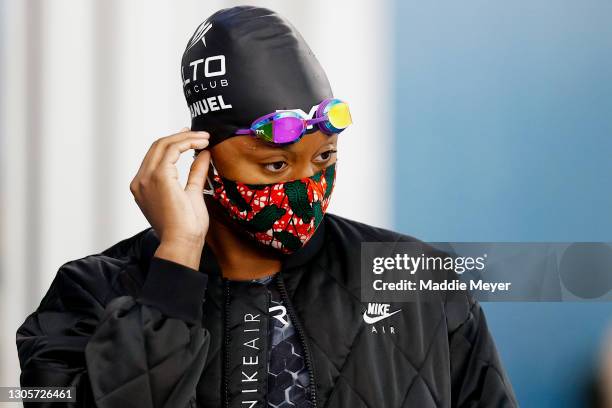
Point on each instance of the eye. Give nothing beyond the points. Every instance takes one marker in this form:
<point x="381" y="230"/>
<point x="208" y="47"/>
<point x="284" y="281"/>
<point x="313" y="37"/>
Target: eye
<point x="276" y="167"/>
<point x="325" y="156"/>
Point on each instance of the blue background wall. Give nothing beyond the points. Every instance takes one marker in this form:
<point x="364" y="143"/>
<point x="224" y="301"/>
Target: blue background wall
<point x="504" y="133"/>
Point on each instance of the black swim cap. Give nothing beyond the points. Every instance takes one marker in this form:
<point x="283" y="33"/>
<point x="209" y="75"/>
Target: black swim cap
<point x="244" y="62"/>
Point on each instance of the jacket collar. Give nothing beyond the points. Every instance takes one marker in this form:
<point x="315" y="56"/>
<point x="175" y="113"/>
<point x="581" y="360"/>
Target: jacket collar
<point x="208" y="262"/>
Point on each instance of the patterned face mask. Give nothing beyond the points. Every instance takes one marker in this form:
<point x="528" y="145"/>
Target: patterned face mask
<point x="283" y="216"/>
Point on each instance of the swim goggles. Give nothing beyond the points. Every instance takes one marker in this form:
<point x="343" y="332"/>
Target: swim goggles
<point x="287" y="126"/>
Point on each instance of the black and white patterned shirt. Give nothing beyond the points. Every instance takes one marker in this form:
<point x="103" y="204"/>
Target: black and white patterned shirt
<point x="288" y="378"/>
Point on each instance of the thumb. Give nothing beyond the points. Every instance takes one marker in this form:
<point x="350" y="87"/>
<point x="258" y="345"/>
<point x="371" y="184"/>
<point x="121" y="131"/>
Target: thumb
<point x="197" y="173"/>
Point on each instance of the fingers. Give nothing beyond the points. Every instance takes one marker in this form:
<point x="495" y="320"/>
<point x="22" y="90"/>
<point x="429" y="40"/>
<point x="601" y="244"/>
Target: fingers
<point x="197" y="173"/>
<point x="159" y="147"/>
<point x="150" y="169"/>
<point x="164" y="142"/>
<point x="148" y="159"/>
<point x="174" y="150"/>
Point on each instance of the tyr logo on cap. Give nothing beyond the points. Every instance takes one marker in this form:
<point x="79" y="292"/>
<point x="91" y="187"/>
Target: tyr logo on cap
<point x="200" y="34"/>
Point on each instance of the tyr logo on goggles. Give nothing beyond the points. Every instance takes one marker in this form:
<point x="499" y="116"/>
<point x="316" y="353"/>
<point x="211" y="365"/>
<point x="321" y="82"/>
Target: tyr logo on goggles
<point x="287" y="126"/>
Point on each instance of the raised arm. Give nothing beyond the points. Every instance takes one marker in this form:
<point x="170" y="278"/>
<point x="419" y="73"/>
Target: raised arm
<point x="119" y="350"/>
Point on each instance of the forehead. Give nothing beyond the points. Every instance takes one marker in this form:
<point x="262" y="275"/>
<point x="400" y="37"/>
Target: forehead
<point x="250" y="146"/>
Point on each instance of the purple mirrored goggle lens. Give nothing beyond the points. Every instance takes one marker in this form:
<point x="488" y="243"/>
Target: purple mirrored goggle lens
<point x="287" y="129"/>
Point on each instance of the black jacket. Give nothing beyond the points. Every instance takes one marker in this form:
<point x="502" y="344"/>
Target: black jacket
<point x="132" y="330"/>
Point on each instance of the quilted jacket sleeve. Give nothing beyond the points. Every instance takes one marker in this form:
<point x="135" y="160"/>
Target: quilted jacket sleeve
<point x="477" y="374"/>
<point x="147" y="351"/>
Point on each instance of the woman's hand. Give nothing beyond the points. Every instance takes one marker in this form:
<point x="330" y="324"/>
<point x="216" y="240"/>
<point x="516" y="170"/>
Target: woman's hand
<point x="178" y="215"/>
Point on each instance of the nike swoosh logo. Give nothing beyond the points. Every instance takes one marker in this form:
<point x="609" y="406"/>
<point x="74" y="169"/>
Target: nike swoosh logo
<point x="372" y="320"/>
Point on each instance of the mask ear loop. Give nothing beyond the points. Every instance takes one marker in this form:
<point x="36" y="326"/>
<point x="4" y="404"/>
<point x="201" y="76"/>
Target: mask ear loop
<point x="212" y="188"/>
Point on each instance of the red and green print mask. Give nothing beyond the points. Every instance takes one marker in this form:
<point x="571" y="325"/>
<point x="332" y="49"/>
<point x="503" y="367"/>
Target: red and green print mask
<point x="283" y="216"/>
